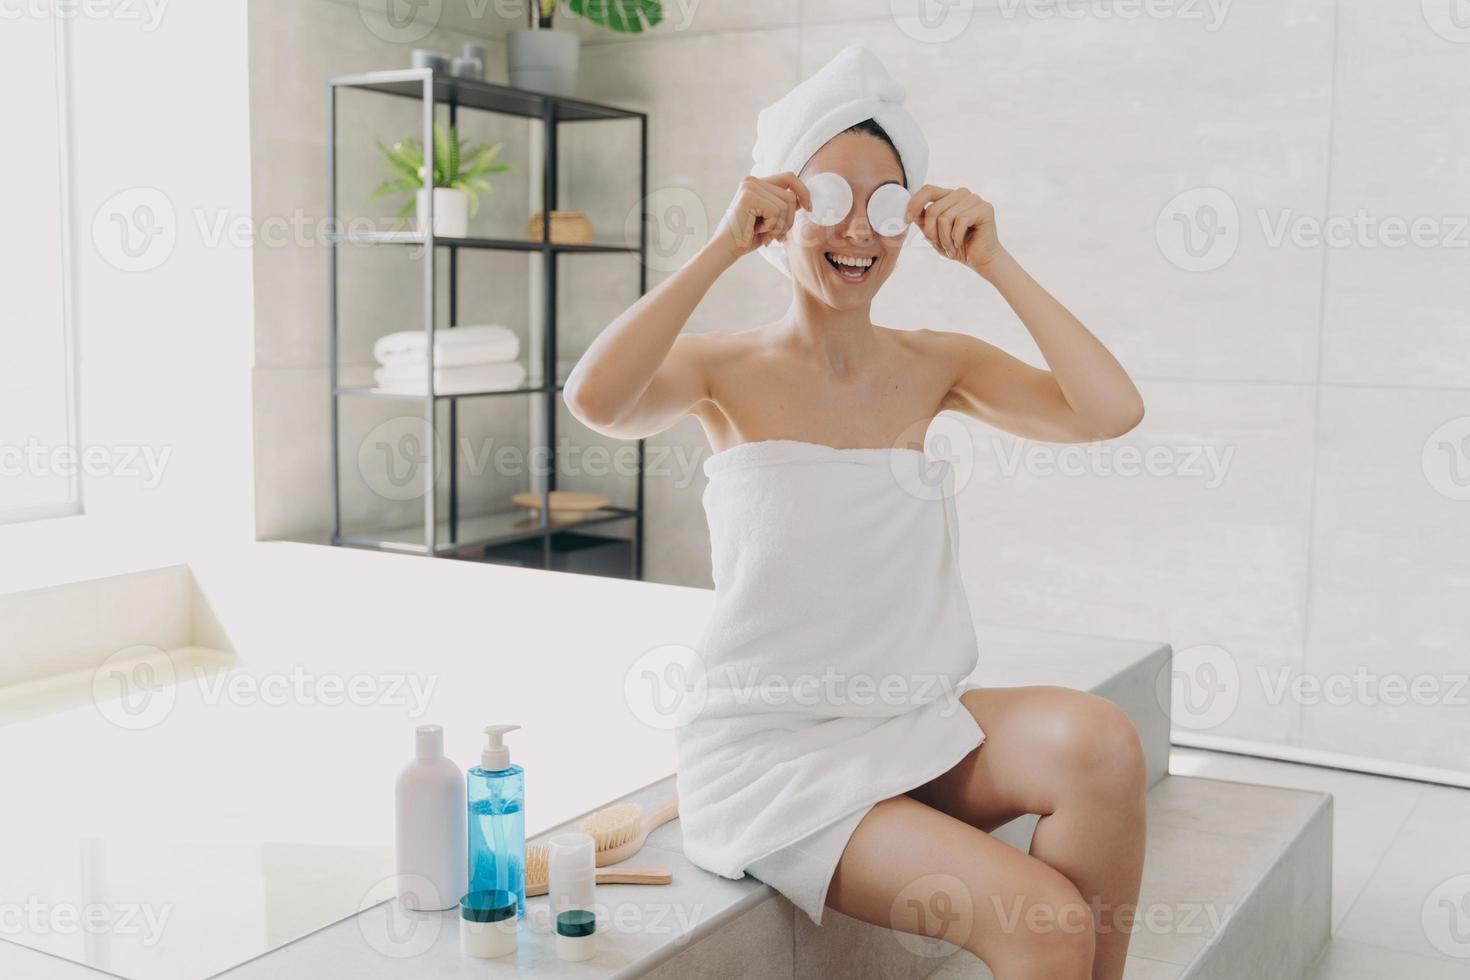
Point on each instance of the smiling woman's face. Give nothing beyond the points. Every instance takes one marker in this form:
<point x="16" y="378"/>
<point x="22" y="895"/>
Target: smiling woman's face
<point x="815" y="254"/>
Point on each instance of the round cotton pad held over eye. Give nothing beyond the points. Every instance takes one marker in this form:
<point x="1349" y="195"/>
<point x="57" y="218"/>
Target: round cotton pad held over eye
<point x="831" y="198"/>
<point x="886" y="209"/>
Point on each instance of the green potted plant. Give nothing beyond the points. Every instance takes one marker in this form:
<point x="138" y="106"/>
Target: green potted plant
<point x="460" y="172"/>
<point x="544" y="59"/>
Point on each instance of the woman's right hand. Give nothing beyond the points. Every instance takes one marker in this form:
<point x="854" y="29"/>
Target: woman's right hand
<point x="764" y="210"/>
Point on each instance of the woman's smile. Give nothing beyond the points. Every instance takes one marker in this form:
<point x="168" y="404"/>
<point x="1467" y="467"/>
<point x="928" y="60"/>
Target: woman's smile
<point x="851" y="266"/>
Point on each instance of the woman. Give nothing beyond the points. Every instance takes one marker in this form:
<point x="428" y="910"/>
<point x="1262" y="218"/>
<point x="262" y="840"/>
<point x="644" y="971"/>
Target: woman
<point x="834" y="567"/>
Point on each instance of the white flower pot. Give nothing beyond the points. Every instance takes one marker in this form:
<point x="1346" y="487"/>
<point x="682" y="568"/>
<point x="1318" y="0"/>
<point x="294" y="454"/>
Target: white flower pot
<point x="451" y="212"/>
<point x="543" y="60"/>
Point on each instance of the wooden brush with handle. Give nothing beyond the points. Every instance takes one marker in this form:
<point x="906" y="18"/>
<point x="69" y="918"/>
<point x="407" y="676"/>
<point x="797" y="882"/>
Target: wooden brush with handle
<point x="538" y="871"/>
<point x="621" y="830"/>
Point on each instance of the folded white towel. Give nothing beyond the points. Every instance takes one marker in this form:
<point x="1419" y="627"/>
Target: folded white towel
<point x="486" y="344"/>
<point x="455" y="355"/>
<point x="852" y="87"/>
<point x="451" y="380"/>
<point x="829" y="675"/>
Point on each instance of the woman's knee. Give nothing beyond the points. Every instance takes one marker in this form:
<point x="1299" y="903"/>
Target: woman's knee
<point x="1095" y="745"/>
<point x="1048" y="933"/>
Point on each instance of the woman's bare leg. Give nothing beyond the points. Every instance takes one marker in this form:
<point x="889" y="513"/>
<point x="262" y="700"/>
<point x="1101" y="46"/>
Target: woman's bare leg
<point x="1076" y="760"/>
<point x="912" y="868"/>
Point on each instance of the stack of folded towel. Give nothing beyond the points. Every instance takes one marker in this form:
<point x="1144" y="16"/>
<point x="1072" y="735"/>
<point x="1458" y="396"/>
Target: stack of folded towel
<point x="466" y="360"/>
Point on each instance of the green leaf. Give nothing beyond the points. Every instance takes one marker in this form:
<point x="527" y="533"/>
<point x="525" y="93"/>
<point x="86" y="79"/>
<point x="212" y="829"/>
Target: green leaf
<point x="623" y="16"/>
<point x="441" y="157"/>
<point x="400" y="186"/>
<point x="400" y="161"/>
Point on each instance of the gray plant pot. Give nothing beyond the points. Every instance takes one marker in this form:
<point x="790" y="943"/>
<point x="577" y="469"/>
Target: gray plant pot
<point x="543" y="61"/>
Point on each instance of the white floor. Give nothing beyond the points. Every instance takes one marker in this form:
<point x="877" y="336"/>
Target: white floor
<point x="1401" y="867"/>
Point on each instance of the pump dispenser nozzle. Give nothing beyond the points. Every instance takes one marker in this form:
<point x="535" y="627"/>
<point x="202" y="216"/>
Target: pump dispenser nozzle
<point x="495" y="756"/>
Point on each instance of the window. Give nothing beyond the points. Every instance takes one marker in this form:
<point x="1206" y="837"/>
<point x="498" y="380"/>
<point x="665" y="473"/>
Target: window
<point x="38" y="451"/>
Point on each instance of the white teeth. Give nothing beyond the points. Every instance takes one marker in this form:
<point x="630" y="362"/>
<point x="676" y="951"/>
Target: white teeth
<point x="850" y="261"/>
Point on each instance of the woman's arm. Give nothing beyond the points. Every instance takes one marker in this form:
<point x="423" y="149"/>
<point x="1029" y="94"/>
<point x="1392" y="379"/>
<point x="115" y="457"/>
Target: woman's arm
<point x="639" y="376"/>
<point x="1085" y="396"/>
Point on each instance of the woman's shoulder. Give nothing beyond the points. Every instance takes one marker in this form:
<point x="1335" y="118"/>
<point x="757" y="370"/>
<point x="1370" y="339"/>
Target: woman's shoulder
<point x="720" y="346"/>
<point x="926" y="342"/>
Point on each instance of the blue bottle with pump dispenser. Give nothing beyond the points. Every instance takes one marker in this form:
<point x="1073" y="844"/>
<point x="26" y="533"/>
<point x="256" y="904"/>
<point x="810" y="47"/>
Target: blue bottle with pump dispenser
<point x="495" y="792"/>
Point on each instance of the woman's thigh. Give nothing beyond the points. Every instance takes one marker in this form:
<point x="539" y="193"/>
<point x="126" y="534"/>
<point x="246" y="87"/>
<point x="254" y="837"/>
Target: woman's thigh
<point x="1041" y="744"/>
<point x="911" y="868"/>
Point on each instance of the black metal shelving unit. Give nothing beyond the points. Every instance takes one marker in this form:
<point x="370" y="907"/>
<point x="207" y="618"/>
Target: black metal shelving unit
<point x="504" y="535"/>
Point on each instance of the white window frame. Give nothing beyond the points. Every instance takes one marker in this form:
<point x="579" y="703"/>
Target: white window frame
<point x="72" y="505"/>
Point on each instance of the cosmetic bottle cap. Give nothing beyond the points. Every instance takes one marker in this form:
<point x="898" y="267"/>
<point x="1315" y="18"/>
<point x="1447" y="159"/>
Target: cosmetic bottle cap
<point x="495" y="755"/>
<point x="576" y="922"/>
<point x="571" y="854"/>
<point x="488" y="906"/>
<point x="428" y="744"/>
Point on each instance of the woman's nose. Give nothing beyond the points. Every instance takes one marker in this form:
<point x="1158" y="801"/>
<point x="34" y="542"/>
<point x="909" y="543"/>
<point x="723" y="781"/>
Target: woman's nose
<point x="856" y="227"/>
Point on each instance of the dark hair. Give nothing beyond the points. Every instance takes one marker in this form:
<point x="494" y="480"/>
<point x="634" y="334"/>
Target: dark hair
<point x="870" y="127"/>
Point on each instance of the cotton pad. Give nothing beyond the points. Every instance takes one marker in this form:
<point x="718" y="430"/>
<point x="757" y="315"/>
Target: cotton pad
<point x="886" y="210"/>
<point x="831" y="198"/>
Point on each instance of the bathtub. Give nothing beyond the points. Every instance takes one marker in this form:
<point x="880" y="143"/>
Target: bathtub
<point x="210" y="749"/>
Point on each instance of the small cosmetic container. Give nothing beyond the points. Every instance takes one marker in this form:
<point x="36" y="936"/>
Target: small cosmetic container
<point x="572" y="873"/>
<point x="487" y="924"/>
<point x="576" y="935"/>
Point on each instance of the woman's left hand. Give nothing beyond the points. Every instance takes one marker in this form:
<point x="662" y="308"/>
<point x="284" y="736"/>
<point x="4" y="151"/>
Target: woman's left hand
<point x="959" y="223"/>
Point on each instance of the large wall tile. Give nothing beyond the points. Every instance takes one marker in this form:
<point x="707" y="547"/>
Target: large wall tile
<point x="1390" y="576"/>
<point x="1210" y="551"/>
<point x="1069" y="126"/>
<point x="1400" y="314"/>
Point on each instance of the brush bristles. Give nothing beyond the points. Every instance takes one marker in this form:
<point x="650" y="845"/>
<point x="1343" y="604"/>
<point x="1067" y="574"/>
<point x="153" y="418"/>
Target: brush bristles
<point x="615" y="826"/>
<point x="538" y="865"/>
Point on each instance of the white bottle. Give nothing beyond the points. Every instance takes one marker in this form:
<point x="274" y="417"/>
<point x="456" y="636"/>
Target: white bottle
<point x="430" y="827"/>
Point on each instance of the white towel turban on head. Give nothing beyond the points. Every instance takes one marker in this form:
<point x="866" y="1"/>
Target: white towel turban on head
<point x="852" y="87"/>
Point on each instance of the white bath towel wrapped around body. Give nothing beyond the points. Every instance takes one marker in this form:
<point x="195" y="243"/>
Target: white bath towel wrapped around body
<point x="834" y="658"/>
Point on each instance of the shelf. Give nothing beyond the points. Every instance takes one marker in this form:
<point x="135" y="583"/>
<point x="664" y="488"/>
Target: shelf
<point x="364" y="391"/>
<point x="497" y="244"/>
<point x="517" y="534"/>
<point x="482" y="531"/>
<point x="472" y="94"/>
<point x="571" y="551"/>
